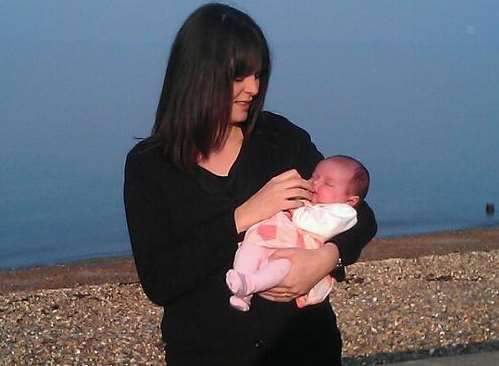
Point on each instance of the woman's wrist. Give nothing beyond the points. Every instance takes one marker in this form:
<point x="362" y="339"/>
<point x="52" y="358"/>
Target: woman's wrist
<point x="242" y="218"/>
<point x="333" y="255"/>
<point x="239" y="220"/>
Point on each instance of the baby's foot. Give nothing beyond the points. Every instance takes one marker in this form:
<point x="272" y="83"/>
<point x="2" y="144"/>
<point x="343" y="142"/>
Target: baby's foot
<point x="239" y="303"/>
<point x="236" y="283"/>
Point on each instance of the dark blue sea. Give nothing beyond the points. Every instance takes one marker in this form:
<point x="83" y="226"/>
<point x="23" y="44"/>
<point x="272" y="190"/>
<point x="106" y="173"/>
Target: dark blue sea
<point x="409" y="88"/>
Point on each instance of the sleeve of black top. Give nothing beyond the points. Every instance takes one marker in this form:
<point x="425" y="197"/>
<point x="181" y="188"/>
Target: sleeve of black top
<point x="170" y="266"/>
<point x="351" y="242"/>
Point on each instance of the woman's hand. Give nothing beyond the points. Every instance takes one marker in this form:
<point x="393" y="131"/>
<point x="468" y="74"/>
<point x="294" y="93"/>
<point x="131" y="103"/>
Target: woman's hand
<point x="308" y="267"/>
<point x="283" y="192"/>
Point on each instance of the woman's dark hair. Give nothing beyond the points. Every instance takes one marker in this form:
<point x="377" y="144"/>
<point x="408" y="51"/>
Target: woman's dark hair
<point x="214" y="46"/>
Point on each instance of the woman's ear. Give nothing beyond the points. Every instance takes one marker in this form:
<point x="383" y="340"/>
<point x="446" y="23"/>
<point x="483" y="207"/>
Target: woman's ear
<point x="353" y="200"/>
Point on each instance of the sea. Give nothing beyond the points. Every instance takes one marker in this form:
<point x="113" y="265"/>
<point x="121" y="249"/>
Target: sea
<point x="409" y="88"/>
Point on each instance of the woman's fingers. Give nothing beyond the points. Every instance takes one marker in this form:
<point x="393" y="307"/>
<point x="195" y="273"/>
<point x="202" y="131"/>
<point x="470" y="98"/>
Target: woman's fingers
<point x="295" y="182"/>
<point x="275" y="298"/>
<point x="291" y="179"/>
<point x="294" y="188"/>
<point x="298" y="194"/>
<point x="292" y="204"/>
<point x="283" y="192"/>
<point x="278" y="294"/>
<point x="308" y="266"/>
<point x="293" y="173"/>
<point x="280" y="291"/>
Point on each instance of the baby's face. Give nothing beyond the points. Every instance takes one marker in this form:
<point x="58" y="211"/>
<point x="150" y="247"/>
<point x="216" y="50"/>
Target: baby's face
<point x="331" y="180"/>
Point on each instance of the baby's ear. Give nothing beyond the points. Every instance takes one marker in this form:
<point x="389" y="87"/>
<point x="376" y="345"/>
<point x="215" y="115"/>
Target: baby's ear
<point x="353" y="200"/>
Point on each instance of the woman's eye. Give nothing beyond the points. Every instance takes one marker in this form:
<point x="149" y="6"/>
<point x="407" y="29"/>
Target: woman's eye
<point x="257" y="76"/>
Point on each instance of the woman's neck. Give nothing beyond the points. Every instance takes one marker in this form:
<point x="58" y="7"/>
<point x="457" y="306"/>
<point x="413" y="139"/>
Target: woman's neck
<point x="221" y="160"/>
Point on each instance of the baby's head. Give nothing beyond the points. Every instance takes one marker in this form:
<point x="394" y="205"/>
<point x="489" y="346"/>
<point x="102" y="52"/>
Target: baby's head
<point x="340" y="179"/>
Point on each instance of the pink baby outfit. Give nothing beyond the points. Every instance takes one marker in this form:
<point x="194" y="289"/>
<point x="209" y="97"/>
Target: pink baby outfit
<point x="307" y="227"/>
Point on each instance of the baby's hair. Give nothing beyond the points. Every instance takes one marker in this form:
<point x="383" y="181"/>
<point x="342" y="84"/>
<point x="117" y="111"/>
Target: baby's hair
<point x="360" y="179"/>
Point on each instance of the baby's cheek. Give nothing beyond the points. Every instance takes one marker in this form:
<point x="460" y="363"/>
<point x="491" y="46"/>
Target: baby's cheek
<point x="321" y="196"/>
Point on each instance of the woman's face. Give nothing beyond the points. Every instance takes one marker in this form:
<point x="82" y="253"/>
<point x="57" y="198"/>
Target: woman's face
<point x="244" y="90"/>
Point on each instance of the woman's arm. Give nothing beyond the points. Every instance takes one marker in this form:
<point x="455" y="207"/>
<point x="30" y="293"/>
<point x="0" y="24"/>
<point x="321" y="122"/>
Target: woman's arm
<point x="310" y="266"/>
<point x="172" y="257"/>
<point x="283" y="192"/>
<point x="172" y="261"/>
<point x="351" y="242"/>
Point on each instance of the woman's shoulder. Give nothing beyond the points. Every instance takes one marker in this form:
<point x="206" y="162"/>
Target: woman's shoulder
<point x="146" y="154"/>
<point x="275" y="124"/>
<point x="144" y="147"/>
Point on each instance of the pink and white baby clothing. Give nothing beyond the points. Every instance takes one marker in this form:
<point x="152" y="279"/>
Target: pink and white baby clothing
<point x="307" y="227"/>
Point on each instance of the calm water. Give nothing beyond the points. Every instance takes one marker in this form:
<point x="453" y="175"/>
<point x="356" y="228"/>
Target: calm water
<point x="411" y="89"/>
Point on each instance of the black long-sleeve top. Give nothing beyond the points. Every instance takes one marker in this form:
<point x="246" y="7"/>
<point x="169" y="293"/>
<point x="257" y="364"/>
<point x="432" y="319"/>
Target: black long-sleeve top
<point x="184" y="237"/>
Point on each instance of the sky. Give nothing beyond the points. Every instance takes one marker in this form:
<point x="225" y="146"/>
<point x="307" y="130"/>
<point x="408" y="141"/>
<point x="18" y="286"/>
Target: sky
<point x="408" y="87"/>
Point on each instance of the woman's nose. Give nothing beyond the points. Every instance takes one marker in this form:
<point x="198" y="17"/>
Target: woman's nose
<point x="251" y="84"/>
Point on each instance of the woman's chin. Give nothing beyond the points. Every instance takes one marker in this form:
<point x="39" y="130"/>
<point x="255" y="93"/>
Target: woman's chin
<point x="239" y="119"/>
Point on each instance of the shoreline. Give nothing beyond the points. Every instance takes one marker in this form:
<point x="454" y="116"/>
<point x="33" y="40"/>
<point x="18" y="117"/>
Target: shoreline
<point x="98" y="271"/>
<point x="118" y="257"/>
<point x="121" y="270"/>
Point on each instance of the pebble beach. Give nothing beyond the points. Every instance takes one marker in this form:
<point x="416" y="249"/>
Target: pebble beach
<point x="431" y="303"/>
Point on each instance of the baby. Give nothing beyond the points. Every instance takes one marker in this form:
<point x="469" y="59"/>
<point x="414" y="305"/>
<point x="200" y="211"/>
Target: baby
<point x="340" y="183"/>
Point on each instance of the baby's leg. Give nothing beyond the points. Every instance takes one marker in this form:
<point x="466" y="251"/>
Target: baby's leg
<point x="269" y="275"/>
<point x="250" y="256"/>
<point x="253" y="272"/>
<point x="247" y="260"/>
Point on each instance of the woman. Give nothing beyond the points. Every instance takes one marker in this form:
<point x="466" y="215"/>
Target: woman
<point x="215" y="165"/>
